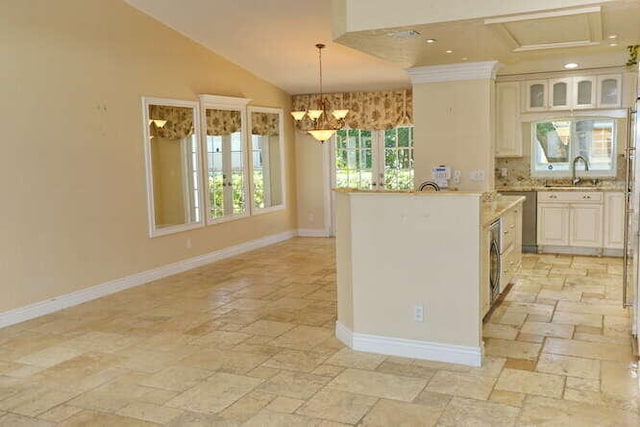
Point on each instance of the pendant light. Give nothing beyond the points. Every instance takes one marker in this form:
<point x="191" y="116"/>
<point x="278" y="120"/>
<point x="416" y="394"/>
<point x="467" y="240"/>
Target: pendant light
<point x="325" y="124"/>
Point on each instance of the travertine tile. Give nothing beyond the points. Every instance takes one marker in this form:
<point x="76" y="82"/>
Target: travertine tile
<point x="521" y="364"/>
<point x="268" y="328"/>
<point x="470" y="412"/>
<point x="377" y="384"/>
<point x="356" y="359"/>
<point x="593" y="308"/>
<point x="530" y="383"/>
<point x="415" y="371"/>
<point x="567" y="365"/>
<point x="177" y="378"/>
<point x="297" y="385"/>
<point x="511" y="349"/>
<point x="547" y="329"/>
<point x="558" y="412"/>
<point x="588" y="350"/>
<point x="494" y="330"/>
<point x="14" y="420"/>
<point x="391" y="412"/>
<point x="247" y="406"/>
<point x="435" y="401"/>
<point x="150" y="412"/>
<point x="294" y="360"/>
<point x="284" y="404"/>
<point x="278" y="419"/>
<point x="510" y="398"/>
<point x="59" y="413"/>
<point x="581" y="319"/>
<point x="90" y="418"/>
<point x="338" y="406"/>
<point x="459" y="384"/>
<point x="583" y="384"/>
<point x="215" y="394"/>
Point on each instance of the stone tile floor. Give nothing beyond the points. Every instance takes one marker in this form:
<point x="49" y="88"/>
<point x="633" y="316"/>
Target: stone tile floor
<point x="249" y="341"/>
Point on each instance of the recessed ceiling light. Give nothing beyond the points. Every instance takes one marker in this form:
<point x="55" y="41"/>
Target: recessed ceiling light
<point x="431" y="41"/>
<point x="448" y="51"/>
<point x="570" y="65"/>
<point x="404" y="34"/>
<point x="464" y="59"/>
<point x="613" y="36"/>
<point x="613" y="44"/>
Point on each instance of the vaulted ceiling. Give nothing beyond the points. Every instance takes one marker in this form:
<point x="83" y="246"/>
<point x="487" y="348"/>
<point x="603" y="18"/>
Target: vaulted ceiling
<point x="275" y="40"/>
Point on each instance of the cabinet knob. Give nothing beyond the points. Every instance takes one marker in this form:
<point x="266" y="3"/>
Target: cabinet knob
<point x="586" y="196"/>
<point x="553" y="196"/>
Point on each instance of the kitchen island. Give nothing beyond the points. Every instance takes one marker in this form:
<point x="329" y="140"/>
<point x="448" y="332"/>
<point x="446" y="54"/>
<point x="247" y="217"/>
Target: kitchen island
<point x="410" y="268"/>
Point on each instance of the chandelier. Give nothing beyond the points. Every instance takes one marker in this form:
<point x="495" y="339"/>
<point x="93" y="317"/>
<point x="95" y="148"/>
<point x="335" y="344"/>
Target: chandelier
<point x="324" y="124"/>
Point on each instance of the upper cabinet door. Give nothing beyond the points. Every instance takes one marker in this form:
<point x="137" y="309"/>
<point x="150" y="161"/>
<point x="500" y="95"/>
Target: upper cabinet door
<point x="536" y="95"/>
<point x="584" y="92"/>
<point x="508" y="134"/>
<point x="560" y="93"/>
<point x="609" y="91"/>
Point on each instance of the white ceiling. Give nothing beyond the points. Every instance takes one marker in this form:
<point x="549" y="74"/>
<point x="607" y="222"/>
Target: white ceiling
<point x="275" y="39"/>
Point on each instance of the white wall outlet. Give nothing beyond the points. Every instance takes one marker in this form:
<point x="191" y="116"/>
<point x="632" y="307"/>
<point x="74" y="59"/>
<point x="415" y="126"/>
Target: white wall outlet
<point x="456" y="176"/>
<point x="477" y="175"/>
<point x="418" y="313"/>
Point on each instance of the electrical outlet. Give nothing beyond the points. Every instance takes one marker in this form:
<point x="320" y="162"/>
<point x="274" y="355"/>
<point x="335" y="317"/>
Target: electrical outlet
<point x="418" y="313"/>
<point x="476" y="175"/>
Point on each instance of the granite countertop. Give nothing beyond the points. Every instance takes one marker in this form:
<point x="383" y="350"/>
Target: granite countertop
<point x="492" y="210"/>
<point x="605" y="187"/>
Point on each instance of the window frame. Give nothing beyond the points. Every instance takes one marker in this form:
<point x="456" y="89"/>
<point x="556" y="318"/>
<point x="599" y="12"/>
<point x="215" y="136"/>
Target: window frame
<point x="566" y="172"/>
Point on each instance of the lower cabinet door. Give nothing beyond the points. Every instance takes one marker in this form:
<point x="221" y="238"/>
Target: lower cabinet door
<point x="553" y="224"/>
<point x="586" y="226"/>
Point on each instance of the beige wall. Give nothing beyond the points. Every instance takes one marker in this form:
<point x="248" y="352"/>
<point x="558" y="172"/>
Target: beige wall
<point x="454" y="125"/>
<point x="397" y="250"/>
<point x="311" y="182"/>
<point x="72" y="175"/>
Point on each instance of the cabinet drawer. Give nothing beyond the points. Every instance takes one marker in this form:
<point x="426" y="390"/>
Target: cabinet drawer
<point x="570" y="196"/>
<point x="508" y="228"/>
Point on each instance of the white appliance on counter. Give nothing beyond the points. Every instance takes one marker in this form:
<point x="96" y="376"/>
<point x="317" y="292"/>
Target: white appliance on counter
<point x="631" y="260"/>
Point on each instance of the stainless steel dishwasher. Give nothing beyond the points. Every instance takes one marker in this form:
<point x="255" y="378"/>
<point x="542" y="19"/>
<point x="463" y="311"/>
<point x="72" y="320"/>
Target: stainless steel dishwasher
<point x="529" y="219"/>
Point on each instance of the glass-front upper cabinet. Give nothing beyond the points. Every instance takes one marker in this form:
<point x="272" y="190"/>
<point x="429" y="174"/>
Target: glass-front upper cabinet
<point x="560" y="93"/>
<point x="609" y="91"/>
<point x="267" y="159"/>
<point x="172" y="158"/>
<point x="536" y="95"/>
<point x="584" y="92"/>
<point x="224" y="146"/>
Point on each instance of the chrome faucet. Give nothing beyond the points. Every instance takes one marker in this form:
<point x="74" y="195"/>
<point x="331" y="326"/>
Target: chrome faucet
<point x="576" y="179"/>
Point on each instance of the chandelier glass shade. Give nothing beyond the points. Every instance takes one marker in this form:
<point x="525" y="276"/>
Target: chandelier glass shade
<point x="324" y="123"/>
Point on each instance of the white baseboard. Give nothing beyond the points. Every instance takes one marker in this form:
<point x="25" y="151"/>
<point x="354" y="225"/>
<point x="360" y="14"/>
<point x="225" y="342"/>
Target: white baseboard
<point x="449" y="353"/>
<point x="41" y="308"/>
<point x="312" y="232"/>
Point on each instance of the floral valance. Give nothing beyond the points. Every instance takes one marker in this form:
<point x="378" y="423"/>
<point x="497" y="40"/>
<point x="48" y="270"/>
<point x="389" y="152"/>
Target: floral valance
<point x="178" y="121"/>
<point x="367" y="110"/>
<point x="222" y="122"/>
<point x="265" y="123"/>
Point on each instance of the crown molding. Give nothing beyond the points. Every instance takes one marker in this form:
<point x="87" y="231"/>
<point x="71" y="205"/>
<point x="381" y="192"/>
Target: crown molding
<point x="454" y="72"/>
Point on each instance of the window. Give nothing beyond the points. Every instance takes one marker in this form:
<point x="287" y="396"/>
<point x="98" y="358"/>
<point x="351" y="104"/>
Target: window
<point x="225" y="175"/>
<point x="556" y="143"/>
<point x="367" y="159"/>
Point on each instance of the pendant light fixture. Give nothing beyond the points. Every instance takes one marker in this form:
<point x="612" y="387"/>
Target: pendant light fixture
<point x="325" y="124"/>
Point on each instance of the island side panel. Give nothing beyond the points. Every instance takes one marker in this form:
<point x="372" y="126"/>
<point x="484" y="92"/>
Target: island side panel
<point x="409" y="250"/>
<point x="343" y="262"/>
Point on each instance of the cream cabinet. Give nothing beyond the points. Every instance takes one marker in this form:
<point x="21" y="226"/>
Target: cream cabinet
<point x="536" y="95"/>
<point x="570" y="219"/>
<point x="508" y="128"/>
<point x="584" y="92"/>
<point x="560" y="93"/>
<point x="609" y="91"/>
<point x="510" y="245"/>
<point x="573" y="92"/>
<point x="553" y="224"/>
<point x="614" y="220"/>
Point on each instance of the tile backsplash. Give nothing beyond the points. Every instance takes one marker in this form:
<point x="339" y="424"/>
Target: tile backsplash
<point x="519" y="173"/>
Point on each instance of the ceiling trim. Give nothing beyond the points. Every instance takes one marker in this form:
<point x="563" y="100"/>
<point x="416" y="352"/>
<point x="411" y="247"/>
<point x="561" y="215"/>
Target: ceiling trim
<point x="454" y="72"/>
<point x="593" y="21"/>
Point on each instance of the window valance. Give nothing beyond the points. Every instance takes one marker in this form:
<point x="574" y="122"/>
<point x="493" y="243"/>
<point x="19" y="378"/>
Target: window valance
<point x="179" y="121"/>
<point x="265" y="124"/>
<point x="367" y="110"/>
